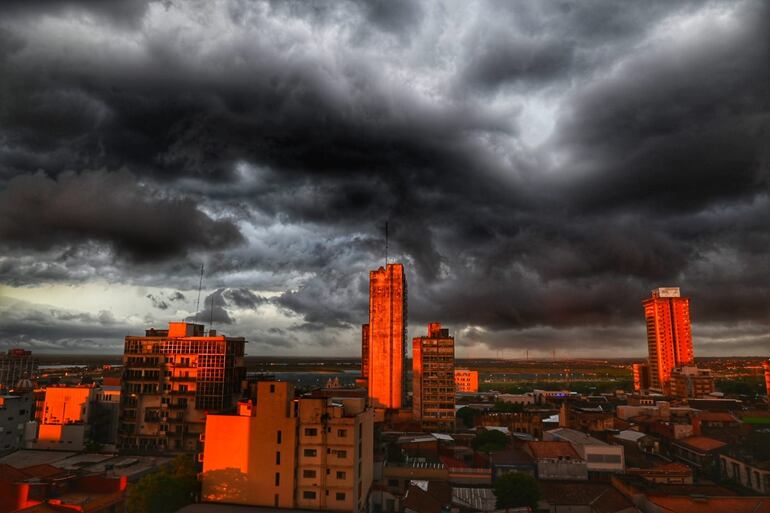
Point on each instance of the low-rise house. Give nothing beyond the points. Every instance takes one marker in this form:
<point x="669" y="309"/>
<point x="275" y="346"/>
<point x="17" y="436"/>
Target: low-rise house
<point x="699" y="452"/>
<point x="557" y="460"/>
<point x="599" y="456"/>
<point x="746" y="469"/>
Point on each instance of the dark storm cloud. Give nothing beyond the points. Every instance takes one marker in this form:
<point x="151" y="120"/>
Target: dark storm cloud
<point x="313" y="123"/>
<point x="162" y="301"/>
<point x="38" y="212"/>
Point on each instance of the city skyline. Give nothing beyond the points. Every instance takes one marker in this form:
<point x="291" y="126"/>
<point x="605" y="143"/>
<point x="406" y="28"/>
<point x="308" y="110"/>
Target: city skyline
<point x="541" y="168"/>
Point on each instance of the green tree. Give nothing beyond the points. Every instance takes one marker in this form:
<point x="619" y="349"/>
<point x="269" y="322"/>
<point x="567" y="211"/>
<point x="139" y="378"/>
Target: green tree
<point x="468" y="415"/>
<point x="516" y="489"/>
<point x="490" y="441"/>
<point x="166" y="490"/>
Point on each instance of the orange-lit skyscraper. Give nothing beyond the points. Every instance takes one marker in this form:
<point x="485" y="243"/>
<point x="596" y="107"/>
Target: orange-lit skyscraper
<point x="766" y="366"/>
<point x="433" y="365"/>
<point x="466" y="380"/>
<point x="669" y="336"/>
<point x="387" y="336"/>
<point x="364" y="351"/>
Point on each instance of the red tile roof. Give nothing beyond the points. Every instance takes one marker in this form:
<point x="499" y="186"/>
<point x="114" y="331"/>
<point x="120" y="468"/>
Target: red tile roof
<point x="711" y="504"/>
<point x="552" y="449"/>
<point x="701" y="443"/>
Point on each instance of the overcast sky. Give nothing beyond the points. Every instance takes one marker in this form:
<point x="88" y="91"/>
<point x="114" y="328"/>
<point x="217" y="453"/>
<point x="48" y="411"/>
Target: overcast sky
<point x="543" y="165"/>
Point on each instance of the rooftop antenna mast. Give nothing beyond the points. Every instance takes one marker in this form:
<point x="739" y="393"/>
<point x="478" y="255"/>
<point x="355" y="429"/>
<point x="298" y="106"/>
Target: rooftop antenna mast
<point x="198" y="302"/>
<point x="211" y="318"/>
<point x="386" y="244"/>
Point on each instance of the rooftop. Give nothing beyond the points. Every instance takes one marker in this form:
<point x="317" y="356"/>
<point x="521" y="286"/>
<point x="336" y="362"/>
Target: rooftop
<point x="701" y="443"/>
<point x="552" y="450"/>
<point x="575" y="437"/>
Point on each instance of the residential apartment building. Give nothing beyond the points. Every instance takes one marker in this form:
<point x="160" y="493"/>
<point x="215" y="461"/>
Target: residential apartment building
<point x="15" y="411"/>
<point x="641" y="373"/>
<point x="15" y="365"/>
<point x="766" y="367"/>
<point x="387" y="336"/>
<point x="598" y="455"/>
<point x="64" y="417"/>
<point x="466" y="380"/>
<point x="433" y="357"/>
<point x="669" y="335"/>
<point x="312" y="453"/>
<point x="691" y="382"/>
<point x="171" y="380"/>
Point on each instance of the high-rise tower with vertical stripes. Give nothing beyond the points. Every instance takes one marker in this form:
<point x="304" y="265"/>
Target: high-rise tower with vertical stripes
<point x="387" y="336"/>
<point x="669" y="335"/>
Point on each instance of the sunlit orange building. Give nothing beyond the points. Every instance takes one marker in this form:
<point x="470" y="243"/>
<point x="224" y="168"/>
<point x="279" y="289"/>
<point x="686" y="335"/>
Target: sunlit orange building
<point x="766" y="366"/>
<point x="171" y="380"/>
<point x="387" y="336"/>
<point x="63" y="416"/>
<point x="669" y="335"/>
<point x="433" y="363"/>
<point x="313" y="453"/>
<point x="641" y="373"/>
<point x="466" y="380"/>
<point x="365" y="352"/>
<point x="691" y="382"/>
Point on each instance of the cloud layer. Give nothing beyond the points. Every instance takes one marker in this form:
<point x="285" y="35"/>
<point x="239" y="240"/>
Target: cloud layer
<point x="542" y="165"/>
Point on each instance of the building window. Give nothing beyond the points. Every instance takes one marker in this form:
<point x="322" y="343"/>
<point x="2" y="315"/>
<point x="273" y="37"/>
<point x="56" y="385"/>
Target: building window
<point x="278" y="457"/>
<point x="310" y="453"/>
<point x="311" y="432"/>
<point x="340" y="496"/>
<point x="275" y="501"/>
<point x="309" y="474"/>
<point x="342" y="433"/>
<point x="308" y="495"/>
<point x="341" y="474"/>
<point x="278" y="437"/>
<point x="277" y="478"/>
<point x="342" y="454"/>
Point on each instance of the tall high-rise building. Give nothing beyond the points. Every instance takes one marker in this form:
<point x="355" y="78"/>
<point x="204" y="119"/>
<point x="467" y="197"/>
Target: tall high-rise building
<point x="669" y="336"/>
<point x="364" y="351"/>
<point x="387" y="336"/>
<point x="171" y="379"/>
<point x="313" y="453"/>
<point x="16" y="365"/>
<point x="766" y="366"/>
<point x="433" y="367"/>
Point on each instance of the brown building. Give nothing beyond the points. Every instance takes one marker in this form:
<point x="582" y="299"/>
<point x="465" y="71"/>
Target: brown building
<point x="433" y="362"/>
<point x="692" y="382"/>
<point x="641" y="376"/>
<point x="312" y="453"/>
<point x="387" y="336"/>
<point x="669" y="336"/>
<point x="466" y="380"/>
<point x="15" y="365"/>
<point x="171" y="380"/>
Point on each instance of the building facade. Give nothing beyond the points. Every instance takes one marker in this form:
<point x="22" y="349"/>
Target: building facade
<point x="433" y="362"/>
<point x="312" y="453"/>
<point x="15" y="365"/>
<point x="466" y="380"/>
<point x="387" y="336"/>
<point x="766" y="367"/>
<point x="669" y="335"/>
<point x="15" y="411"/>
<point x="691" y="382"/>
<point x="364" y="354"/>
<point x="64" y="419"/>
<point x="171" y="380"/>
<point x="641" y="373"/>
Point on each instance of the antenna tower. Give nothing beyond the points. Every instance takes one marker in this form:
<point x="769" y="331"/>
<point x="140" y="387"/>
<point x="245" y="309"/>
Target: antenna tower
<point x="198" y="302"/>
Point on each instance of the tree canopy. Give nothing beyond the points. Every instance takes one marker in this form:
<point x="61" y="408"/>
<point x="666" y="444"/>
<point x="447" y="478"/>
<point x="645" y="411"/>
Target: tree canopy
<point x="166" y="490"/>
<point x="516" y="489"/>
<point x="489" y="441"/>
